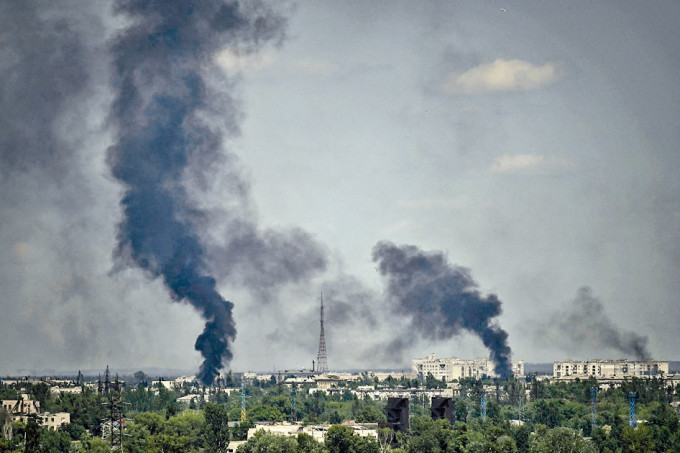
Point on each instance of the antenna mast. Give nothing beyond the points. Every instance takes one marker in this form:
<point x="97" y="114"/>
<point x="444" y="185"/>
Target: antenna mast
<point x="321" y="359"/>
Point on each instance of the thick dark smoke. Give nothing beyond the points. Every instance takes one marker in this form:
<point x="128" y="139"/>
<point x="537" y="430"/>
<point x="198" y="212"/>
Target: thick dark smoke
<point x="441" y="299"/>
<point x="584" y="326"/>
<point x="163" y="64"/>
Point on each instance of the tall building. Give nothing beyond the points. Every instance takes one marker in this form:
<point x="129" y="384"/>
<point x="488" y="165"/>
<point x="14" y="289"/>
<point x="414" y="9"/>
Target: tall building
<point x="453" y="368"/>
<point x="571" y="369"/>
<point x="321" y="359"/>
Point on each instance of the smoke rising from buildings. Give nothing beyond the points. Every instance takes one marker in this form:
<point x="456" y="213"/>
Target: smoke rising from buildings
<point x="162" y="66"/>
<point x="584" y="326"/>
<point x="441" y="300"/>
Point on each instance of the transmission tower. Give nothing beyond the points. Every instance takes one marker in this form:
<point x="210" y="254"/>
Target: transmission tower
<point x="293" y="393"/>
<point x="483" y="406"/>
<point x="243" y="399"/>
<point x="321" y="359"/>
<point x="631" y="407"/>
<point x="593" y="407"/>
<point x="113" y="428"/>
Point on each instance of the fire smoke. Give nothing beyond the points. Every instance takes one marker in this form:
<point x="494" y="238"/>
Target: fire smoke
<point x="162" y="62"/>
<point x="584" y="324"/>
<point x="442" y="300"/>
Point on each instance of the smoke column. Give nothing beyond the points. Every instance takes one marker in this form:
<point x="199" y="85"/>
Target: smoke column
<point x="442" y="300"/>
<point x="585" y="325"/>
<point x="162" y="64"/>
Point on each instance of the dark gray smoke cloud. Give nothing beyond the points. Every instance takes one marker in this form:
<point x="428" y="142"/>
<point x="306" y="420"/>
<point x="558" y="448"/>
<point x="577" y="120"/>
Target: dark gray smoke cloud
<point x="171" y="112"/>
<point x="262" y="261"/>
<point x="162" y="66"/>
<point x="583" y="326"/>
<point x="442" y="300"/>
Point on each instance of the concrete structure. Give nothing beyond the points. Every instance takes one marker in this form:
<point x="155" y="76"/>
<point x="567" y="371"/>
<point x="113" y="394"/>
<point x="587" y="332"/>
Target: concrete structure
<point x="234" y="444"/>
<point x="60" y="390"/>
<point x="453" y="368"/>
<point x="56" y="420"/>
<point x="187" y="399"/>
<point x="608" y="369"/>
<point x="318" y="432"/>
<point x="23" y="406"/>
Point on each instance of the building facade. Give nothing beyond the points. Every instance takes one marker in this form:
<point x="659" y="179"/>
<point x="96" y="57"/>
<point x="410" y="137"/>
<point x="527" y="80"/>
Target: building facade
<point x="608" y="369"/>
<point x="452" y="368"/>
<point x="25" y="408"/>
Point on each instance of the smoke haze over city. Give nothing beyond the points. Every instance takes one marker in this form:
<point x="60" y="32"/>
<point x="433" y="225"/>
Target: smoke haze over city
<point x="179" y="182"/>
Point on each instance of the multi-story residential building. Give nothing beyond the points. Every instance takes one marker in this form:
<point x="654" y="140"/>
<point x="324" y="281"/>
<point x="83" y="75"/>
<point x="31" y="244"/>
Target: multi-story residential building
<point x="24" y="408"/>
<point x="608" y="369"/>
<point x="452" y="368"/>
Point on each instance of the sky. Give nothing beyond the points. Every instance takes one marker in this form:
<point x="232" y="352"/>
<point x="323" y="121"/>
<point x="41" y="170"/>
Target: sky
<point x="530" y="150"/>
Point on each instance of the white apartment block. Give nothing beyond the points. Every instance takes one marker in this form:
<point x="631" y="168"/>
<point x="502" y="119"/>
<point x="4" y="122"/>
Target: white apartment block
<point x="608" y="369"/>
<point x="453" y="368"/>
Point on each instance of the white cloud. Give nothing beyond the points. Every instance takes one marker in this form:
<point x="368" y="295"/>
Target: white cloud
<point x="501" y="75"/>
<point x="516" y="163"/>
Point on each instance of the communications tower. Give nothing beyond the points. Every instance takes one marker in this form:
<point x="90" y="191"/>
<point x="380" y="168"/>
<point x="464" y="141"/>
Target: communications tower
<point x="321" y="359"/>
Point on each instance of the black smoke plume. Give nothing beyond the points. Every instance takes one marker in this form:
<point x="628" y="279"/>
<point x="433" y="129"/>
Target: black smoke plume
<point x="442" y="300"/>
<point x="584" y="326"/>
<point x="163" y="62"/>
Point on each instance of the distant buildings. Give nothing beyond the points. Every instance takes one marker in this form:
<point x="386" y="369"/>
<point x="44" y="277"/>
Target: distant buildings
<point x="608" y="369"/>
<point x="452" y="368"/>
<point x="24" y="407"/>
<point x="318" y="432"/>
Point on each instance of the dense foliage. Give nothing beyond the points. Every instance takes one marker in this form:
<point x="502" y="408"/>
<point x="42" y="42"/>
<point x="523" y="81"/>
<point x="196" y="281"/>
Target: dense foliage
<point x="520" y="416"/>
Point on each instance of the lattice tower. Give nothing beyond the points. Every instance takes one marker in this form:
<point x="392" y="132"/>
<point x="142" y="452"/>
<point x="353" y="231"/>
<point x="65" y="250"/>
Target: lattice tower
<point x="321" y="358"/>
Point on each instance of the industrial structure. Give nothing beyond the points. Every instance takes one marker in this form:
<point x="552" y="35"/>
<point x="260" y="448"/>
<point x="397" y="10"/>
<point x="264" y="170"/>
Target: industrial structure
<point x="321" y="359"/>
<point x="608" y="369"/>
<point x="451" y="368"/>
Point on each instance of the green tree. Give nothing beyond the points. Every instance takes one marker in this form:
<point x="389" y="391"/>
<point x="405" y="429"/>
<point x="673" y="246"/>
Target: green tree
<point x="427" y="435"/>
<point x="560" y="440"/>
<point x="637" y="440"/>
<point x="96" y="445"/>
<point x="266" y="413"/>
<point x="265" y="442"/>
<point x="216" y="427"/>
<point x="370" y="414"/>
<point x="32" y="435"/>
<point x="341" y="439"/>
<point x="52" y="441"/>
<point x="307" y="444"/>
<point x="189" y="426"/>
